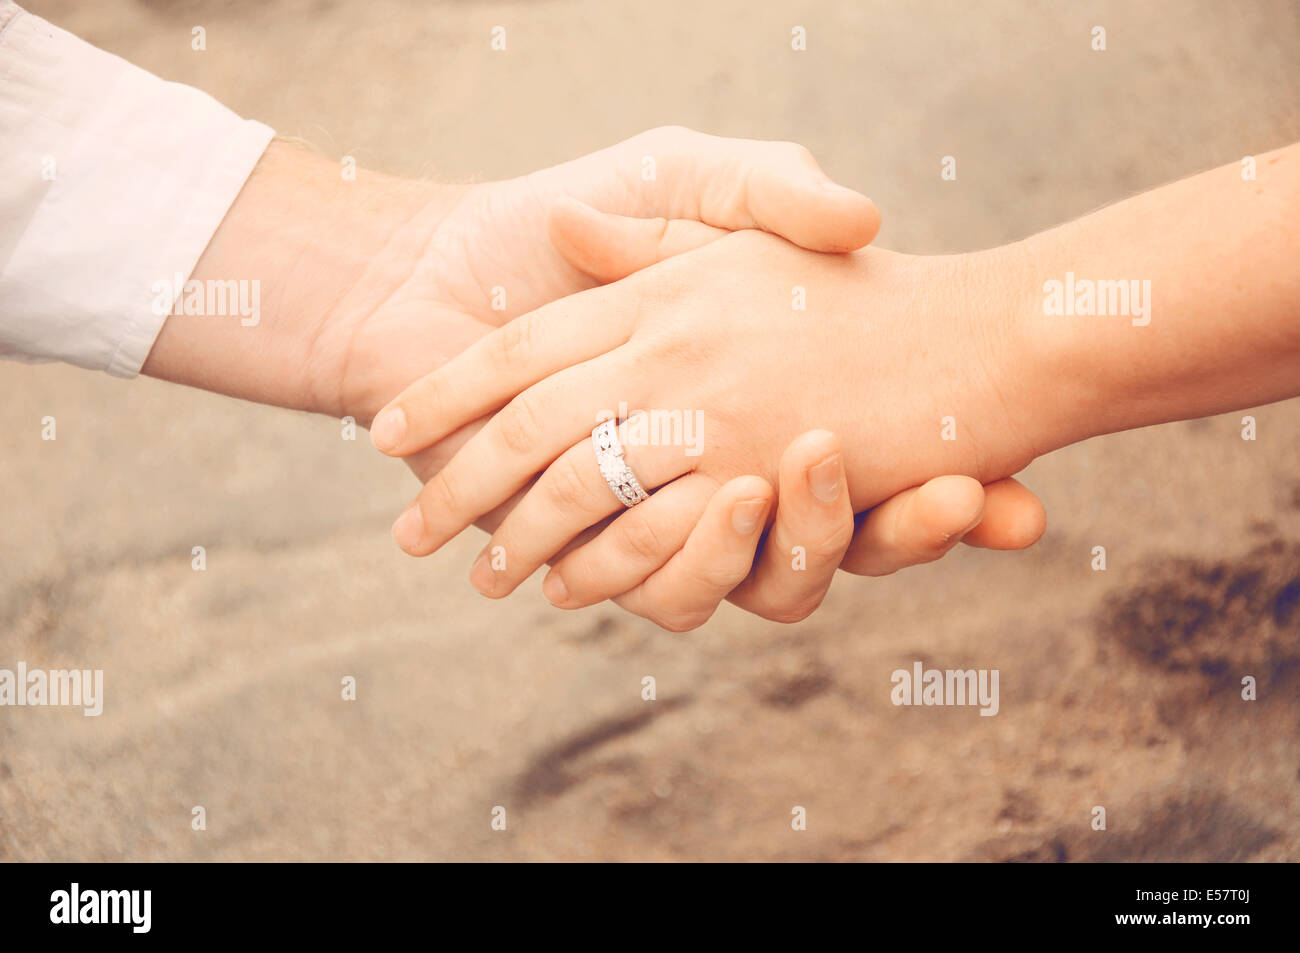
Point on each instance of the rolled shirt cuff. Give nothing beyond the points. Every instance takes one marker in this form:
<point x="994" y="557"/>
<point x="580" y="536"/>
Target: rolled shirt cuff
<point x="111" y="181"/>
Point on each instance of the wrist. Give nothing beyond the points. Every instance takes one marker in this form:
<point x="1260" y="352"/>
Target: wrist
<point x="1045" y="391"/>
<point x="314" y="249"/>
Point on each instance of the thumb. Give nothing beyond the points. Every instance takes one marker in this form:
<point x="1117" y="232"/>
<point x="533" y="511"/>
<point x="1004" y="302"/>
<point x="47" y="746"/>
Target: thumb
<point x="745" y="183"/>
<point x="798" y="202"/>
<point x="609" y="247"/>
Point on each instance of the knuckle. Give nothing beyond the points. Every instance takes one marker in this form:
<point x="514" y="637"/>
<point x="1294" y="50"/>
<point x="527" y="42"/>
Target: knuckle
<point x="443" y="490"/>
<point x="830" y="546"/>
<point x="658" y="230"/>
<point x="639" y="538"/>
<point x="583" y="577"/>
<point x="511" y="343"/>
<point x="517" y="425"/>
<point x="427" y="398"/>
<point x="566" y="487"/>
<point x="720" y="576"/>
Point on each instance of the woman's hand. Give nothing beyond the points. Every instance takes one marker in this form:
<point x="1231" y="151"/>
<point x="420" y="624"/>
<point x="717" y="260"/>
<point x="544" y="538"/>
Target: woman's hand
<point x="784" y="575"/>
<point x="714" y="336"/>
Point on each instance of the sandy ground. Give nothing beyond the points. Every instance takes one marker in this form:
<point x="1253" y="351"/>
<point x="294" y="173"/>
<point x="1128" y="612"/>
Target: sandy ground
<point x="1118" y="689"/>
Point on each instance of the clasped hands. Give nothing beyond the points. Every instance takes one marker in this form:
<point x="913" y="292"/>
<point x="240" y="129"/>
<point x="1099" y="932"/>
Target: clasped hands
<point x="853" y="404"/>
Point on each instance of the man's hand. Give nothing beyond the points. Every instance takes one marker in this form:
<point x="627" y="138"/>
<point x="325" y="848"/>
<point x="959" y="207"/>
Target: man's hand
<point x="370" y="282"/>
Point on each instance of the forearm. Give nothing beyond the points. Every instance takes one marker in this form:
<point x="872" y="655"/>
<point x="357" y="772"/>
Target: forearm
<point x="299" y="239"/>
<point x="1216" y="329"/>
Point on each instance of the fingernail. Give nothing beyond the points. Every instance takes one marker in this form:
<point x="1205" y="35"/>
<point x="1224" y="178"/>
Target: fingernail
<point x="409" y="528"/>
<point x="830" y="186"/>
<point x="481" y="575"/>
<point x="747" y="514"/>
<point x="554" y="589"/>
<point x="824" y="479"/>
<point x="388" y="429"/>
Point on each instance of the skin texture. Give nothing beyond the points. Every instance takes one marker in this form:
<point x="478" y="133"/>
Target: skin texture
<point x="367" y="284"/>
<point x="920" y="365"/>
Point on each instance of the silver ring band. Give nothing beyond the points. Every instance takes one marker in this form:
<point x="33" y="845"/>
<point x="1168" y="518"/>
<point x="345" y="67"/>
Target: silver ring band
<point x="613" y="465"/>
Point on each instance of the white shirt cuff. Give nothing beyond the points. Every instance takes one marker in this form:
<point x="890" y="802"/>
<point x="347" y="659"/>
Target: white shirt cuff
<point x="111" y="180"/>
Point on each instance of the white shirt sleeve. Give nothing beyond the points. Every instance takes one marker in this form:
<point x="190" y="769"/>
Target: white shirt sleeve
<point x="111" y="180"/>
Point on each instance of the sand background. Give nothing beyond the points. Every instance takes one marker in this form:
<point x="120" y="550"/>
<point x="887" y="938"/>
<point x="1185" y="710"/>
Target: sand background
<point x="1117" y="689"/>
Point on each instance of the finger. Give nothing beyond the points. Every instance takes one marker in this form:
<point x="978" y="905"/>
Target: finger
<point x="814" y="526"/>
<point x="717" y="555"/>
<point x="522" y="439"/>
<point x="630" y="548"/>
<point x="1014" y="518"/>
<point x="571" y="495"/>
<point x="500" y="365"/>
<point x="609" y="247"/>
<point x="915" y="526"/>
<point x="426" y="463"/>
<point x="743" y="183"/>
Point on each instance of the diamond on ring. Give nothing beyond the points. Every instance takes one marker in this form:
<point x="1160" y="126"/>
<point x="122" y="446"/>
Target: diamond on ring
<point x="613" y="465"/>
